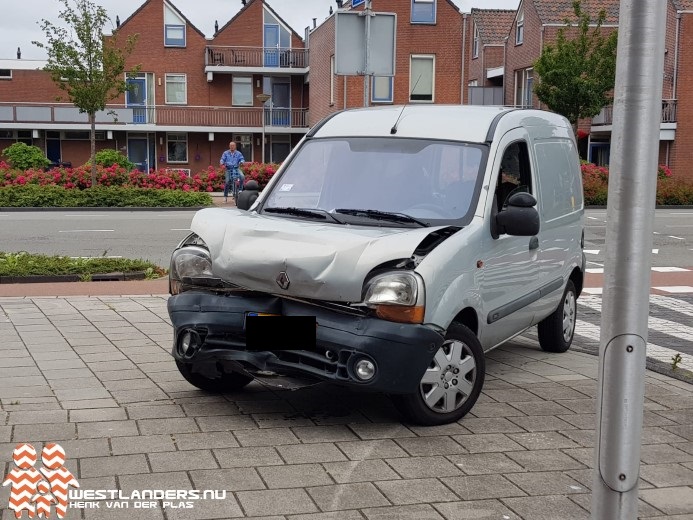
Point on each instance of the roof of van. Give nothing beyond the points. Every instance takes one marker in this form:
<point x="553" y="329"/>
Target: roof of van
<point x="450" y="122"/>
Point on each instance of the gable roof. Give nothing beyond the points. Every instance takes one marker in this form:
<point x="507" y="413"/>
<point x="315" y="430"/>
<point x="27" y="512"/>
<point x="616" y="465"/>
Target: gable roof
<point x="683" y="5"/>
<point x="493" y="24"/>
<point x="557" y="11"/>
<point x="188" y="22"/>
<point x="269" y="8"/>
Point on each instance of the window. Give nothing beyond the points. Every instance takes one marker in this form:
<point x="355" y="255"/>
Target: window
<point x="423" y="11"/>
<point x="473" y="83"/>
<point x="174" y="28"/>
<point x="381" y="89"/>
<point x="422" y="78"/>
<point x="6" y="134"/>
<point x="242" y="91"/>
<point x="515" y="174"/>
<point x="176" y="89"/>
<point x="524" y="88"/>
<point x="559" y="171"/>
<point x="475" y="48"/>
<point x="177" y="145"/>
<point x="5" y="74"/>
<point x="83" y="135"/>
<point x="520" y="28"/>
<point x="332" y="80"/>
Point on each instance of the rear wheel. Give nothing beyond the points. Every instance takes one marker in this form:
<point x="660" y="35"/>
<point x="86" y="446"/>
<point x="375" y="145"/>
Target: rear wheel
<point x="452" y="382"/>
<point x="556" y="331"/>
<point x="228" y="382"/>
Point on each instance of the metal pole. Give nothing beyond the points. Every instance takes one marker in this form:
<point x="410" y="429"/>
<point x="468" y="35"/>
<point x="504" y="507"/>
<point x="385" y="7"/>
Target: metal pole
<point x="630" y="216"/>
<point x="366" y="75"/>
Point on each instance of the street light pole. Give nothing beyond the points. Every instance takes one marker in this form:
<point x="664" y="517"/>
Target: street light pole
<point x="630" y="219"/>
<point x="263" y="98"/>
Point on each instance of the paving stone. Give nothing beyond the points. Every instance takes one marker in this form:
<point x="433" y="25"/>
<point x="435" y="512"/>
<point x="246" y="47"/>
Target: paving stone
<point x="421" y="467"/>
<point x="541" y="423"/>
<point x="359" y="450"/>
<point x="546" y="483"/>
<point x="77" y="384"/>
<point x="208" y="510"/>
<point x="44" y="432"/>
<point x="538" y="408"/>
<point x="439" y="431"/>
<point x="268" y="406"/>
<point x="360" y="471"/>
<point x="663" y="453"/>
<point x="542" y="440"/>
<point x="585" y="438"/>
<point x="582" y="421"/>
<point x="415" y="491"/>
<point x="107" y="429"/>
<point x="480" y="487"/>
<point x="247" y="457"/>
<point x="428" y="446"/>
<point x="207" y="440"/>
<point x="266" y="437"/>
<point x="304" y="453"/>
<point x="200" y="409"/>
<point x="226" y="423"/>
<point x="658" y="435"/>
<point x="324" y="434"/>
<point x="292" y="476"/>
<point x="413" y="512"/>
<point x="510" y="395"/>
<point x="544" y="460"/>
<point x="142" y="444"/>
<point x="477" y="510"/>
<point x="490" y="425"/>
<point x="685" y="431"/>
<point x="483" y="410"/>
<point x="276" y="502"/>
<point x="368" y="431"/>
<point x="171" y="480"/>
<point x="115" y="465"/>
<point x="236" y="479"/>
<point x="111" y="375"/>
<point x="163" y="426"/>
<point x="129" y="384"/>
<point x="47" y="416"/>
<point x="547" y="508"/>
<point x="486" y="463"/>
<point x="666" y="475"/>
<point x="173" y="460"/>
<point x="579" y="405"/>
<point x="139" y="396"/>
<point x="89" y="404"/>
<point x="487" y="443"/>
<point x="98" y="415"/>
<point x="347" y="496"/>
<point x="81" y="394"/>
<point x="78" y="449"/>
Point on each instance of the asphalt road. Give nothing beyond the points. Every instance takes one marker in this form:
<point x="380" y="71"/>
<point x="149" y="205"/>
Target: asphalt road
<point x="152" y="235"/>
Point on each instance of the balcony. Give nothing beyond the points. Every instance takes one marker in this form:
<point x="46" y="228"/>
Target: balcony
<point x="261" y="60"/>
<point x="605" y="117"/>
<point x="154" y="118"/>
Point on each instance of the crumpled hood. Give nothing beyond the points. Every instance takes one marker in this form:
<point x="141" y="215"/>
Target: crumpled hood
<point x="322" y="261"/>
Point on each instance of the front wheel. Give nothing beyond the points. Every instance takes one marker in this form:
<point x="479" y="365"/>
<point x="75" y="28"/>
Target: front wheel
<point x="556" y="330"/>
<point x="228" y="382"/>
<point x="452" y="382"/>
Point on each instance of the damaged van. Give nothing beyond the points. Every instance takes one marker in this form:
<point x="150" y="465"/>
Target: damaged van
<point x="393" y="248"/>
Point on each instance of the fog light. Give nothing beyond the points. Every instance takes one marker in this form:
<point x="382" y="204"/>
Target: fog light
<point x="365" y="369"/>
<point x="185" y="343"/>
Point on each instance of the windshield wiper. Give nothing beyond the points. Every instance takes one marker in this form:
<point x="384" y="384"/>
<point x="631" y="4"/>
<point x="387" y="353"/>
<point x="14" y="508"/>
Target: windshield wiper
<point x="304" y="212"/>
<point x="382" y="215"/>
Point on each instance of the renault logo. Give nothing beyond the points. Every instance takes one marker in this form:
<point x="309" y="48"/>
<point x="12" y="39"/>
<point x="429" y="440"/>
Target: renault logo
<point x="283" y="280"/>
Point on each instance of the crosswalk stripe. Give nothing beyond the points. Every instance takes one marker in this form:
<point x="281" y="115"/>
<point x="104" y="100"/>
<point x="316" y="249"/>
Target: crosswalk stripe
<point x="674" y="304"/>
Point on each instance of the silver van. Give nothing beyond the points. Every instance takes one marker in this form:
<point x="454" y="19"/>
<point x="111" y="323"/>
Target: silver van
<point x="391" y="250"/>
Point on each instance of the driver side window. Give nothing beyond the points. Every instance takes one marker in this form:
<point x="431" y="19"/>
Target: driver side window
<point x="514" y="175"/>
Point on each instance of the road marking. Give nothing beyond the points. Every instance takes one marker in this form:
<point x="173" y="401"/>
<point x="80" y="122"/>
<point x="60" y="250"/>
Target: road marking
<point x="677" y="238"/>
<point x="593" y="218"/>
<point x="85" y="215"/>
<point x="94" y="257"/>
<point x="670" y="269"/>
<point x="676" y="214"/>
<point x="595" y="263"/>
<point x="676" y="289"/>
<point x="675" y="304"/>
<point x="680" y="225"/>
<point x="591" y="251"/>
<point x="655" y="251"/>
<point x="656" y="232"/>
<point x="88" y="231"/>
<point x="599" y="270"/>
<point x="592" y="290"/>
<point x="180" y="229"/>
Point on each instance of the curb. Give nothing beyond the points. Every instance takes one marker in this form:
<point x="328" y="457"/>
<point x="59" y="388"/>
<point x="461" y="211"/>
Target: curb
<point x="656" y="207"/>
<point x="66" y="278"/>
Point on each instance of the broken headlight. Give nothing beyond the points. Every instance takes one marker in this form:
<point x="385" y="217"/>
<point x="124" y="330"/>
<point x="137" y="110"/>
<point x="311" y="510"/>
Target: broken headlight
<point x="190" y="261"/>
<point x="396" y="296"/>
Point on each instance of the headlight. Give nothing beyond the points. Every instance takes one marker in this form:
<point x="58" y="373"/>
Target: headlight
<point x="189" y="261"/>
<point x="397" y="296"/>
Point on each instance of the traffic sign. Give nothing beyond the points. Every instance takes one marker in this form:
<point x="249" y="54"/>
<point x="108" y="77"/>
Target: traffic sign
<point x="356" y="3"/>
<point x="352" y="40"/>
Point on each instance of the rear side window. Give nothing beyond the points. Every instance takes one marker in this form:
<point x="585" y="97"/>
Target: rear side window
<point x="560" y="187"/>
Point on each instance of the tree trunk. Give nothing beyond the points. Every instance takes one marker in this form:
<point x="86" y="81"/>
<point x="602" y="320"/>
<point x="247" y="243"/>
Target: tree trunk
<point x="92" y="137"/>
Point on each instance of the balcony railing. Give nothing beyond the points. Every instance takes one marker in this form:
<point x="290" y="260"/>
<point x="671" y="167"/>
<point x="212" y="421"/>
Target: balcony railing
<point x="272" y="57"/>
<point x="606" y="116"/>
<point x="164" y="115"/>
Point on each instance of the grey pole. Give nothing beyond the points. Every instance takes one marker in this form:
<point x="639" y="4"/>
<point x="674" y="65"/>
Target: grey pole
<point x="630" y="216"/>
<point x="366" y="75"/>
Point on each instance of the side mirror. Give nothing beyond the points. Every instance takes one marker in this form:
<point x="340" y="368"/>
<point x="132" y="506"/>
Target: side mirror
<point x="519" y="218"/>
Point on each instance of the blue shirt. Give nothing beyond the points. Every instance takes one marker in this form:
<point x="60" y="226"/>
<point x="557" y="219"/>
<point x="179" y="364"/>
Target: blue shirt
<point x="232" y="160"/>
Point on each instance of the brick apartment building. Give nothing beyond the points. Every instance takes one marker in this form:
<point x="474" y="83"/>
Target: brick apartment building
<point x="192" y="96"/>
<point x="429" y="57"/>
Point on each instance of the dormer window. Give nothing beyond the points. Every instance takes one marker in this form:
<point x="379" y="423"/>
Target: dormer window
<point x="174" y="28"/>
<point x="520" y="27"/>
<point x="475" y="48"/>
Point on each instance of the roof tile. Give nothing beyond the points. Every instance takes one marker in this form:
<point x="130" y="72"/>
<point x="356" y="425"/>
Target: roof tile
<point x="557" y="11"/>
<point x="494" y="24"/>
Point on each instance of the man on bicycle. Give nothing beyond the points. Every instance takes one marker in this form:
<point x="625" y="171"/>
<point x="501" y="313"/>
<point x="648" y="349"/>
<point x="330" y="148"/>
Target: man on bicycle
<point x="231" y="159"/>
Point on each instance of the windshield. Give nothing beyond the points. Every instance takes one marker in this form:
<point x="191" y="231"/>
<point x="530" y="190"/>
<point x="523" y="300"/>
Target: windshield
<point x="434" y="181"/>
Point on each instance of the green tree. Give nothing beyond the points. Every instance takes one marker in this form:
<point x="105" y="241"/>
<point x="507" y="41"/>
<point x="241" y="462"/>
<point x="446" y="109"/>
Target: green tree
<point x="577" y="75"/>
<point x="88" y="68"/>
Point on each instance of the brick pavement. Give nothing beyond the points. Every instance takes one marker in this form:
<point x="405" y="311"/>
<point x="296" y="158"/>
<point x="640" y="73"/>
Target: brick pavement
<point x="94" y="374"/>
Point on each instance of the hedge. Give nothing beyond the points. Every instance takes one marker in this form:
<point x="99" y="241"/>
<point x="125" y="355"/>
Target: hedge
<point x="34" y="196"/>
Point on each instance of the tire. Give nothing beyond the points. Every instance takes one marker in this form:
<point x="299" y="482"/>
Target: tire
<point x="228" y="382"/>
<point x="472" y="365"/>
<point x="557" y="330"/>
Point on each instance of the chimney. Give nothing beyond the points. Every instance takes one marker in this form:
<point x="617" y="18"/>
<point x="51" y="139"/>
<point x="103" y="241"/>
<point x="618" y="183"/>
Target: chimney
<point x="117" y="21"/>
<point x="19" y="53"/>
<point x="331" y="11"/>
<point x="340" y="4"/>
<point x="243" y="2"/>
<point x="315" y="23"/>
<point x="216" y="26"/>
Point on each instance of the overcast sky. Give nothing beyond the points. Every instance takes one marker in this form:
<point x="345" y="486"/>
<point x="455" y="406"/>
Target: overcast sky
<point x="18" y="21"/>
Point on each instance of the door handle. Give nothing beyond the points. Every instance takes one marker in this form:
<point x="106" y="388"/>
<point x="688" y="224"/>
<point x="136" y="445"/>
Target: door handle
<point x="533" y="243"/>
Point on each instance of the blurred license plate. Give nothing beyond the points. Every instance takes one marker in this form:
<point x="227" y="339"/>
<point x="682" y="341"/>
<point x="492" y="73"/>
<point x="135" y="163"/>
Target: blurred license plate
<point x="266" y="331"/>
